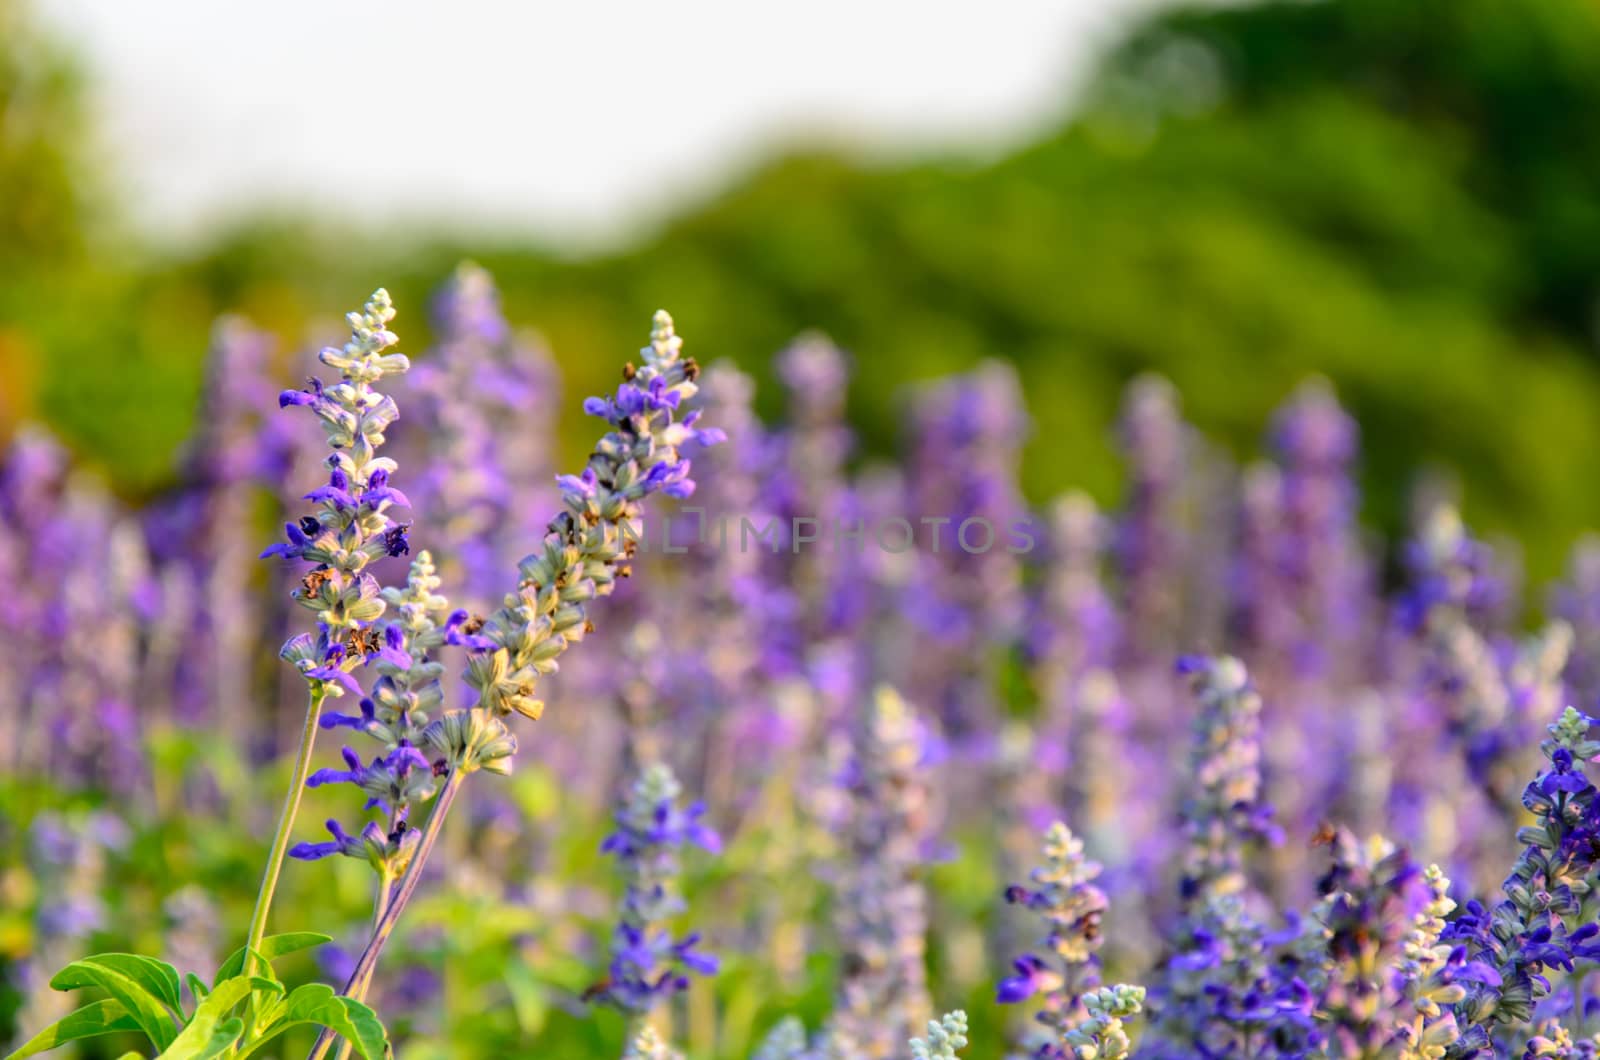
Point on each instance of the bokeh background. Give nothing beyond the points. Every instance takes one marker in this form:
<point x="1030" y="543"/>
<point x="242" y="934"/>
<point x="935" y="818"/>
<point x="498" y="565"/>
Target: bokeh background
<point x="1400" y="196"/>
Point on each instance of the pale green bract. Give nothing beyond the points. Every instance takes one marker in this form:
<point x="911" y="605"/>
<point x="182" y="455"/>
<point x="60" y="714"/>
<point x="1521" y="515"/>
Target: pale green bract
<point x="945" y="1037"/>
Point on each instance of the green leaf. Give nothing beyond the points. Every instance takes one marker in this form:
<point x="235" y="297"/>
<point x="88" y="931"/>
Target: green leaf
<point x="158" y="977"/>
<point x="147" y="1009"/>
<point x="197" y="987"/>
<point x="351" y="1020"/>
<point x="273" y="947"/>
<point x="210" y="1022"/>
<point x="222" y="1038"/>
<point x="96" y="1018"/>
<point x="316" y="1003"/>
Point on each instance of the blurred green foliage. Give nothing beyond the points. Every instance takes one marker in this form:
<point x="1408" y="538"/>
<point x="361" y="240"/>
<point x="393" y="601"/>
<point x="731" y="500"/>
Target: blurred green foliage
<point x="509" y="941"/>
<point x="1402" y="196"/>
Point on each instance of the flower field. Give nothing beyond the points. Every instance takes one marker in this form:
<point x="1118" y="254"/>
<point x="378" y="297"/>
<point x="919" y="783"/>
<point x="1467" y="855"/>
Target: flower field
<point x="383" y="730"/>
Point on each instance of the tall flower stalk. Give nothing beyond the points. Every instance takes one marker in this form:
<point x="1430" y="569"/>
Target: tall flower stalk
<point x="649" y="964"/>
<point x="1224" y="815"/>
<point x="1426" y="976"/>
<point x="1062" y="894"/>
<point x="1231" y="985"/>
<point x="1543" y="923"/>
<point x="1152" y="545"/>
<point x="1364" y="940"/>
<point x="351" y="529"/>
<point x="883" y="915"/>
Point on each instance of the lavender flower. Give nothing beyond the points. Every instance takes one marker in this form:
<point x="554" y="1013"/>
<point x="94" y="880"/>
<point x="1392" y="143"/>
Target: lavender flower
<point x="1075" y="624"/>
<point x="1223" y="815"/>
<point x="1262" y="618"/>
<point x="1554" y="1040"/>
<point x="1426" y="976"/>
<point x="882" y="915"/>
<point x="832" y="592"/>
<point x="1151" y="542"/>
<point x="1065" y="897"/>
<point x="194" y="535"/>
<point x="353" y="526"/>
<point x="1475" y="696"/>
<point x="32" y="481"/>
<point x="586" y="549"/>
<point x="484" y="465"/>
<point x="1540" y="922"/>
<point x="77" y="589"/>
<point x="1102" y="1035"/>
<point x="1453" y="576"/>
<point x="648" y="963"/>
<point x="966" y="594"/>
<point x="1367" y="892"/>
<point x="718" y="703"/>
<point x="588" y="546"/>
<point x="1234" y="985"/>
<point x="1231" y="982"/>
<point x="1086" y="748"/>
<point x="100" y="588"/>
<point x="397" y="715"/>
<point x="1317" y="557"/>
<point x="807" y="481"/>
<point x="351" y="530"/>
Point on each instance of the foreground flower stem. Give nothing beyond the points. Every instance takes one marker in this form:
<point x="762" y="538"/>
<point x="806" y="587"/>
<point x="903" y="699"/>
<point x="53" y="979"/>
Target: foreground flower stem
<point x="384" y="927"/>
<point x="380" y="906"/>
<point x="280" y="842"/>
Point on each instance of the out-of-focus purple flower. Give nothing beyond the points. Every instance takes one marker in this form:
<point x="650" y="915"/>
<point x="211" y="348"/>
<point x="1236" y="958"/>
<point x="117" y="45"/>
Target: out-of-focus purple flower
<point x="964" y="591"/>
<point x="1318" y="569"/>
<point x="77" y="584"/>
<point x="881" y="910"/>
<point x="1151" y="545"/>
<point x="1453" y="577"/>
<point x="478" y="436"/>
<point x="1230" y="978"/>
<point x="1577" y="600"/>
<point x="1370" y="894"/>
<point x="1223" y="815"/>
<point x="648" y="961"/>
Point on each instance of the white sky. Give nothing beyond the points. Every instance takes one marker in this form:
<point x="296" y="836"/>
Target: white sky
<point x="574" y="120"/>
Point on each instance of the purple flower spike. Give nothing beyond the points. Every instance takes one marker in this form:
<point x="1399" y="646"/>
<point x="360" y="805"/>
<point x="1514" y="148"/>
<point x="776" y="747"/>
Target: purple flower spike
<point x="651" y="833"/>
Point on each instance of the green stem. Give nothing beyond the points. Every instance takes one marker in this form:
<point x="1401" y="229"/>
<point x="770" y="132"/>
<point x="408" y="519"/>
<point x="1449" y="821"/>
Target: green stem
<point x="362" y="976"/>
<point x="280" y="842"/>
<point x="380" y="906"/>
